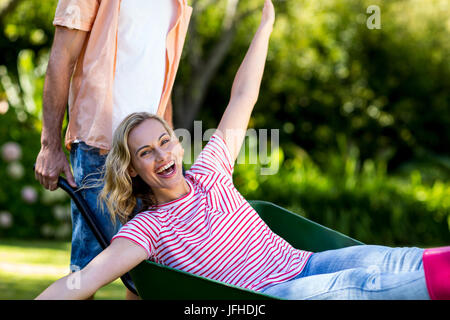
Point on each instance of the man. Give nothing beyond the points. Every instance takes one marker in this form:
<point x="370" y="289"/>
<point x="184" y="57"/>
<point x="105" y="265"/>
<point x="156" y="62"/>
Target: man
<point x="109" y="58"/>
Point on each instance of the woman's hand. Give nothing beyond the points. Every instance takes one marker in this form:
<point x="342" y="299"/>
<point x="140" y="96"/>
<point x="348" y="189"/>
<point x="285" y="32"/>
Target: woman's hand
<point x="268" y="15"/>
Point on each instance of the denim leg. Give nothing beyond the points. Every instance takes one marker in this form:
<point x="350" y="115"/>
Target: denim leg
<point x="86" y="160"/>
<point x="358" y="272"/>
<point x="382" y="258"/>
<point x="354" y="284"/>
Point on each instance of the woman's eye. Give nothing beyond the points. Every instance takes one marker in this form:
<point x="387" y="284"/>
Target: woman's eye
<point x="145" y="152"/>
<point x="165" y="141"/>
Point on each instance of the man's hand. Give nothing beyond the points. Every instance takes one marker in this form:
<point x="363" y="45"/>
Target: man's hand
<point x="50" y="163"/>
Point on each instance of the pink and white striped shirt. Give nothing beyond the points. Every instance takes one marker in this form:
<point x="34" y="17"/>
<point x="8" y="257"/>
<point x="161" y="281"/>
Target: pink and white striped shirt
<point x="213" y="231"/>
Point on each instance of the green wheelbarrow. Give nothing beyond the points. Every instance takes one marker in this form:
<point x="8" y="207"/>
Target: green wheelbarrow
<point x="153" y="281"/>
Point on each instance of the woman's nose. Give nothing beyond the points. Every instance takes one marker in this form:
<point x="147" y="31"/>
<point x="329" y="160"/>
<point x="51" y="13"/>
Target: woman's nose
<point x="160" y="154"/>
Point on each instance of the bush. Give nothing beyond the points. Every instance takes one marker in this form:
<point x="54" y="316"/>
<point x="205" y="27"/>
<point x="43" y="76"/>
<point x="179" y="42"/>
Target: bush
<point x="27" y="210"/>
<point x="356" y="198"/>
<point x="327" y="75"/>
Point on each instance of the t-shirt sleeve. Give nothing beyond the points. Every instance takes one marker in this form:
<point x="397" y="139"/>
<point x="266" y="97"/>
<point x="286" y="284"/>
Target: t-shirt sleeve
<point x="143" y="230"/>
<point x="76" y="14"/>
<point x="214" y="158"/>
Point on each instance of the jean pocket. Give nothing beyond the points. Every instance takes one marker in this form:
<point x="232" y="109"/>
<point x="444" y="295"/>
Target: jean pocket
<point x="83" y="146"/>
<point x="87" y="161"/>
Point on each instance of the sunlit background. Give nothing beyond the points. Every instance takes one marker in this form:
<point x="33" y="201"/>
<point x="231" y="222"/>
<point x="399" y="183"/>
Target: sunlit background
<point x="363" y="116"/>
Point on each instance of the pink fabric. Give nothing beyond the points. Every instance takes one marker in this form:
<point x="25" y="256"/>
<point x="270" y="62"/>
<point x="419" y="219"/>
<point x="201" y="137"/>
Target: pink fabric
<point x="436" y="263"/>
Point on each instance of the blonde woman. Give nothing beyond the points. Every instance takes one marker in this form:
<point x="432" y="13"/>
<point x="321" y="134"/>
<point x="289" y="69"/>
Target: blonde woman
<point x="201" y="224"/>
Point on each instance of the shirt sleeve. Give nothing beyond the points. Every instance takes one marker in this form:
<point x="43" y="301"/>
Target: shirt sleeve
<point x="142" y="230"/>
<point x="76" y="14"/>
<point x="214" y="158"/>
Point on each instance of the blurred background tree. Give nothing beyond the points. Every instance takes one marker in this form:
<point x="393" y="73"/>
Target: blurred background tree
<point x="363" y="114"/>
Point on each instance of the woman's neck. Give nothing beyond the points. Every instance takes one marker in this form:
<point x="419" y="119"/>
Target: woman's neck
<point x="168" y="195"/>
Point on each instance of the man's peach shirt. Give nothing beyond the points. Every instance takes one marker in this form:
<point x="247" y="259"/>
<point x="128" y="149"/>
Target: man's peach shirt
<point x="91" y="89"/>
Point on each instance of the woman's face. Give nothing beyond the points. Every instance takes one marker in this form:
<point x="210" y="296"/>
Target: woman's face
<point x="155" y="156"/>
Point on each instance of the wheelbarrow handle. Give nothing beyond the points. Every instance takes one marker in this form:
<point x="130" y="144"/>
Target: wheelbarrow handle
<point x="88" y="216"/>
<point x="85" y="211"/>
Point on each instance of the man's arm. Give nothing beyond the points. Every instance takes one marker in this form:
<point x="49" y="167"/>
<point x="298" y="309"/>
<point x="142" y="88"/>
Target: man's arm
<point x="51" y="160"/>
<point x="117" y="259"/>
<point x="246" y="84"/>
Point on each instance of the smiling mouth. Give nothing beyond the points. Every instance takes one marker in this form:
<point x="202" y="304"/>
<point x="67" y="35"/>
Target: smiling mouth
<point x="168" y="170"/>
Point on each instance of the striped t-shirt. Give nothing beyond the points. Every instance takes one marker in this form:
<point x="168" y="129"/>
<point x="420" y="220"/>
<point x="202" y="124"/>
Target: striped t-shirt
<point x="213" y="231"/>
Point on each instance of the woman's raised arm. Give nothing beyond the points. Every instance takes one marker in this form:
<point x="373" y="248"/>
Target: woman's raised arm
<point x="117" y="259"/>
<point x="246" y="84"/>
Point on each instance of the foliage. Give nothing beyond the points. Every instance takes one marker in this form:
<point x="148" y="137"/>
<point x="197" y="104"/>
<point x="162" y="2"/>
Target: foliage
<point x="370" y="109"/>
<point x="386" y="89"/>
<point x="26" y="209"/>
<point x="355" y="197"/>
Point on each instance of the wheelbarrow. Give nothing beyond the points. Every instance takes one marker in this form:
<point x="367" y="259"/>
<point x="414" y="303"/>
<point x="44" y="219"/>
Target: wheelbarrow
<point x="154" y="281"/>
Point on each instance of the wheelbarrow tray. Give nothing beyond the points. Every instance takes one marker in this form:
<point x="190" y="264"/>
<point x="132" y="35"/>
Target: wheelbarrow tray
<point x="157" y="282"/>
<point x="154" y="281"/>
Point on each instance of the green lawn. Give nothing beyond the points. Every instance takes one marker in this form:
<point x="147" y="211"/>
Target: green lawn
<point x="28" y="267"/>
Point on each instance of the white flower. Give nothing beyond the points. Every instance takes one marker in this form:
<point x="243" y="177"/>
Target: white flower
<point x="50" y="197"/>
<point x="15" y="170"/>
<point x="61" y="212"/>
<point x="11" y="151"/>
<point x="47" y="230"/>
<point x="6" y="219"/>
<point x="4" y="106"/>
<point x="29" y="194"/>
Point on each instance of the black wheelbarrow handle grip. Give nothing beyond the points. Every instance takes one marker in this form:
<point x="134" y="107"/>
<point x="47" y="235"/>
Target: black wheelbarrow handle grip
<point x="88" y="216"/>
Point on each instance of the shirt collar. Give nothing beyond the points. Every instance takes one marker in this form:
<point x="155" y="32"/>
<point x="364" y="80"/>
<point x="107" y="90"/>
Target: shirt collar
<point x="178" y="201"/>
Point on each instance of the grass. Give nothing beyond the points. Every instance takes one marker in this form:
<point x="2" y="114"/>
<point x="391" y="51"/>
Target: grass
<point x="29" y="267"/>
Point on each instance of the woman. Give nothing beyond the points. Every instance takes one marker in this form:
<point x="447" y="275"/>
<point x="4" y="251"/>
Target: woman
<point x="201" y="224"/>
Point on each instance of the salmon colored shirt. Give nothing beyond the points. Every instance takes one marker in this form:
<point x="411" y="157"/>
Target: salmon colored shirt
<point x="91" y="88"/>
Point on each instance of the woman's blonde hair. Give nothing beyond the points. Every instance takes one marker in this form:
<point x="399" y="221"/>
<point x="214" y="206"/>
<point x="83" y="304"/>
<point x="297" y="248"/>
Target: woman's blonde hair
<point x="121" y="192"/>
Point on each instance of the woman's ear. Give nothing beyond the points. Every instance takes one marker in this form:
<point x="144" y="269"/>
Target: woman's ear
<point x="132" y="172"/>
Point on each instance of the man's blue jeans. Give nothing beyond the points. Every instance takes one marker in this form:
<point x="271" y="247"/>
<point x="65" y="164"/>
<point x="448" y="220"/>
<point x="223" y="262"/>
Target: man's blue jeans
<point x="358" y="272"/>
<point x="87" y="163"/>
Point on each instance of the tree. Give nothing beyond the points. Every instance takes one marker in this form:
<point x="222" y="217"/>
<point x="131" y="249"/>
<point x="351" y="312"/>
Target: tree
<point x="204" y="56"/>
<point x="9" y="7"/>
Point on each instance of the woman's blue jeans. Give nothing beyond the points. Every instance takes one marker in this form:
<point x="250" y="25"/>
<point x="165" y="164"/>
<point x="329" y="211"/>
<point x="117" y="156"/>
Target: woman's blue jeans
<point x="358" y="272"/>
